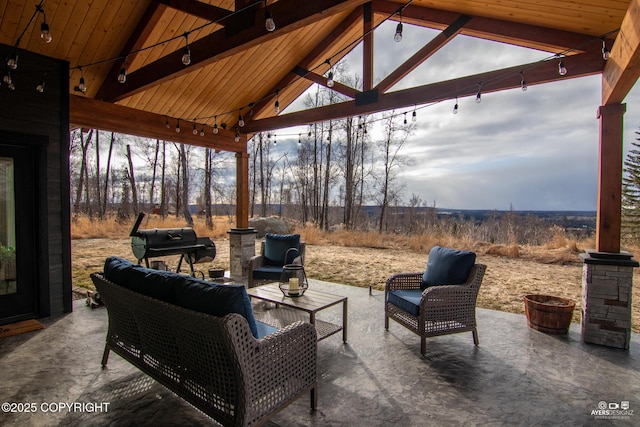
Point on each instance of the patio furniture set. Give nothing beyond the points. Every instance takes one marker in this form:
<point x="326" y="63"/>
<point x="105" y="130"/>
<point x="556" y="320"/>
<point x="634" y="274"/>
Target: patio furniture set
<point x="204" y="342"/>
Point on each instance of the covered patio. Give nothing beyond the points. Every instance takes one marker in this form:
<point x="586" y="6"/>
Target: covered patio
<point x="517" y="376"/>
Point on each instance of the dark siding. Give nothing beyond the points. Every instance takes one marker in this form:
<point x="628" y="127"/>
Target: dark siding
<point x="25" y="112"/>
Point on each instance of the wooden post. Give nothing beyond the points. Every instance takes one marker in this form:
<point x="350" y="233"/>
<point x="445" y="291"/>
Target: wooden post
<point x="367" y="48"/>
<point x="609" y="218"/>
<point x="242" y="190"/>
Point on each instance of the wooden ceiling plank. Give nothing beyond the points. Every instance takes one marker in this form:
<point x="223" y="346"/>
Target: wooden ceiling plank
<point x="291" y="15"/>
<point x="87" y="112"/>
<point x="423" y="54"/>
<point x="538" y="72"/>
<point x="199" y="9"/>
<point x="524" y="35"/>
<point x="136" y="39"/>
<point x="623" y="67"/>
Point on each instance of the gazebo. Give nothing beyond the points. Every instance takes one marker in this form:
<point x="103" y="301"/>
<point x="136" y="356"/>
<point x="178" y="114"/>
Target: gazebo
<point x="144" y="67"/>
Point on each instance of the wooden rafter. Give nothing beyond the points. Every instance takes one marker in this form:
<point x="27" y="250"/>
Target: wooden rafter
<point x="623" y="67"/>
<point x="423" y="54"/>
<point x="197" y="8"/>
<point x="538" y="72"/>
<point x="321" y="80"/>
<point x="367" y="48"/>
<point x="518" y="34"/>
<point x="91" y="113"/>
<point x="291" y="15"/>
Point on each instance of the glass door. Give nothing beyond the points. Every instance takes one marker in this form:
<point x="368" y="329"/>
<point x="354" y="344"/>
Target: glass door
<point x="18" y="252"/>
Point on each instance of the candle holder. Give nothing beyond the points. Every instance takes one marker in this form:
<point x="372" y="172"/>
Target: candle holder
<point x="293" y="280"/>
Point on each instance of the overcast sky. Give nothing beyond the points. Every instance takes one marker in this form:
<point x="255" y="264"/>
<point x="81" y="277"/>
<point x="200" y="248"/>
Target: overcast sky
<point x="533" y="150"/>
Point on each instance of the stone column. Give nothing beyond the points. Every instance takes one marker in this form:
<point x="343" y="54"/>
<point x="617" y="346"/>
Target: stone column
<point x="242" y="246"/>
<point x="607" y="281"/>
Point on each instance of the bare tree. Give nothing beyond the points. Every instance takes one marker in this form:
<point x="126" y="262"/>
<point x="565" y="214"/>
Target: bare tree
<point x="84" y="145"/>
<point x="185" y="185"/>
<point x="106" y="177"/>
<point x="132" y="181"/>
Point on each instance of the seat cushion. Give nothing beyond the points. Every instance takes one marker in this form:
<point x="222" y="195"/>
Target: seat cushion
<point x="447" y="267"/>
<point x="276" y="245"/>
<point x="267" y="272"/>
<point x="406" y="299"/>
<point x="184" y="291"/>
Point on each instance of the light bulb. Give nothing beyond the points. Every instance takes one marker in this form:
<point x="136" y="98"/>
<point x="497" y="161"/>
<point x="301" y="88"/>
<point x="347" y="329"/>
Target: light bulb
<point x="12" y="62"/>
<point x="330" y="81"/>
<point x="6" y="77"/>
<point x="240" y="121"/>
<point x="405" y="118"/>
<point x="269" y="23"/>
<point x="45" y="35"/>
<point x="167" y="124"/>
<point x="122" y="77"/>
<point x="12" y="86"/>
<point x="606" y="53"/>
<point x="186" y="56"/>
<point x="478" y="97"/>
<point x="455" y="108"/>
<point x="237" y="138"/>
<point x="201" y="131"/>
<point x="195" y="129"/>
<point x="40" y="87"/>
<point x="414" y="116"/>
<point x="562" y="70"/>
<point x="178" y="127"/>
<point x="398" y="36"/>
<point x="523" y="85"/>
<point x="82" y="86"/>
<point x="276" y="107"/>
<point x="215" y="128"/>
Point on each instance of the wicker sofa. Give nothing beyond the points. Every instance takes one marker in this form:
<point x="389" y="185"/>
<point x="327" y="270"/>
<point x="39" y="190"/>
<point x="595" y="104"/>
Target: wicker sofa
<point x="201" y="341"/>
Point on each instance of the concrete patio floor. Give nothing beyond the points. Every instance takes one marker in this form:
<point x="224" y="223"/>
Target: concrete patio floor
<point x="517" y="376"/>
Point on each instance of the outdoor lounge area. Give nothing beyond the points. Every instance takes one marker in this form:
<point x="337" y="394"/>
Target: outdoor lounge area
<point x="517" y="376"/>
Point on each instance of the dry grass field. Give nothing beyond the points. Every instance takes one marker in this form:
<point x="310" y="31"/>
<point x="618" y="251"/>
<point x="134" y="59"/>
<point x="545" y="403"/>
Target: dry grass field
<point x="363" y="259"/>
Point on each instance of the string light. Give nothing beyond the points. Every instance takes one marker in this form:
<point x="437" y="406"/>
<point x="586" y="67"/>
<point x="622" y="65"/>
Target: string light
<point x="186" y="56"/>
<point x="479" y="94"/>
<point x="45" y="35"/>
<point x="299" y="136"/>
<point x="455" y="107"/>
<point x="6" y="77"/>
<point x="215" y="125"/>
<point x="562" y="70"/>
<point x="195" y="129"/>
<point x="606" y="53"/>
<point x="82" y="87"/>
<point x="405" y="118"/>
<point x="398" y="35"/>
<point x="414" y="116"/>
<point x="166" y="123"/>
<point x="240" y="121"/>
<point x="122" y="77"/>
<point x="523" y="83"/>
<point x="237" y="138"/>
<point x="178" y="126"/>
<point x="330" y="81"/>
<point x="269" y="23"/>
<point x="276" y="106"/>
<point x="12" y="62"/>
<point x="201" y="131"/>
<point x="40" y="87"/>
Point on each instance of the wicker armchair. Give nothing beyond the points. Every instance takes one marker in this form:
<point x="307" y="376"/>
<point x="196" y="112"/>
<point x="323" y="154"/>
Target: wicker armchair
<point x="275" y="251"/>
<point x="436" y="310"/>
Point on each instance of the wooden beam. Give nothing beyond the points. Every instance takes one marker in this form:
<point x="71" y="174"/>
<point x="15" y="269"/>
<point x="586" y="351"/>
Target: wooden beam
<point x="608" y="216"/>
<point x="135" y="42"/>
<point x="322" y="80"/>
<point x="623" y="67"/>
<point x="92" y="113"/>
<point x="289" y="14"/>
<point x="423" y="54"/>
<point x="199" y="9"/>
<point x="242" y="189"/>
<point x="367" y="48"/>
<point x="509" y="78"/>
<point x="313" y="58"/>
<point x="532" y="36"/>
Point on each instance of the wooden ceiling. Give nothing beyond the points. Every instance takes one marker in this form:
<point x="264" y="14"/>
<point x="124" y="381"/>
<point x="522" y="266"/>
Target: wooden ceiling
<point x="237" y="66"/>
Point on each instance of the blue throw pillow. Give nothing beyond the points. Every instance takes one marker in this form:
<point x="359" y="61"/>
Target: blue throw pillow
<point x="276" y="245"/>
<point x="447" y="267"/>
<point x="153" y="283"/>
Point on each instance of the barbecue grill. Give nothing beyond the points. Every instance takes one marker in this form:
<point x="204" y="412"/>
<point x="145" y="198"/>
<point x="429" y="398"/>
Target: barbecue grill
<point x="160" y="242"/>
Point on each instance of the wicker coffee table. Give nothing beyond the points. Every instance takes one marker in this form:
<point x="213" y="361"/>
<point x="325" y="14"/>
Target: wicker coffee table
<point x="311" y="302"/>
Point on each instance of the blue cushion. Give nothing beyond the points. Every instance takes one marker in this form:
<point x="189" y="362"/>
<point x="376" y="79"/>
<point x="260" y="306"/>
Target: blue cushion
<point x="447" y="267"/>
<point x="276" y="245"/>
<point x="406" y="299"/>
<point x="267" y="272"/>
<point x="264" y="329"/>
<point x="184" y="291"/>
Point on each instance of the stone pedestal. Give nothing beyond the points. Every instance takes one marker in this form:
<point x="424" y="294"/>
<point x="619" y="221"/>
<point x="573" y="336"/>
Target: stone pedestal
<point x="242" y="246"/>
<point x="607" y="280"/>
